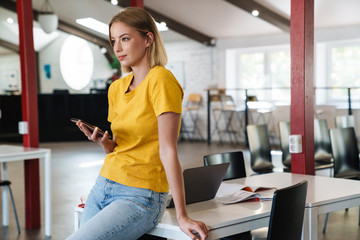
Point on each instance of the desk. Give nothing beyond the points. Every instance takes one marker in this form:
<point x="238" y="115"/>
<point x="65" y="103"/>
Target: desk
<point x="324" y="195"/>
<point x="10" y="153"/>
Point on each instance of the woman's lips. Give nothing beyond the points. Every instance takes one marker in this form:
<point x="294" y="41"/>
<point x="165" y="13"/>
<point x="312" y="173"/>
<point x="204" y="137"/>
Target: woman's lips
<point x="120" y="58"/>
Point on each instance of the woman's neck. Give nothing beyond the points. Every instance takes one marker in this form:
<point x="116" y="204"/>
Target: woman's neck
<point x="139" y="76"/>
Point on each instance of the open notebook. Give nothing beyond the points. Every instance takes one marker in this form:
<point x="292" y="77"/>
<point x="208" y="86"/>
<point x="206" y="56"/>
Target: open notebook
<point x="202" y="183"/>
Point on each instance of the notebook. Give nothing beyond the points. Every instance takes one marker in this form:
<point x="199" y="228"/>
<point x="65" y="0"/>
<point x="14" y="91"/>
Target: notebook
<point x="202" y="183"/>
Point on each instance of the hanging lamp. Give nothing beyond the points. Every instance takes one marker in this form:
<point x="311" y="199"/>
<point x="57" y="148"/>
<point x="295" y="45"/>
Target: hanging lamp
<point x="47" y="18"/>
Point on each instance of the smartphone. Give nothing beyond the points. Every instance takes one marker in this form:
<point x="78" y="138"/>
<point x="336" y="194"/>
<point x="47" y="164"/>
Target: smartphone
<point x="90" y="126"/>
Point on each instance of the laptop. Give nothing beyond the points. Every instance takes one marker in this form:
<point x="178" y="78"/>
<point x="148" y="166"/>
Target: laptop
<point x="202" y="183"/>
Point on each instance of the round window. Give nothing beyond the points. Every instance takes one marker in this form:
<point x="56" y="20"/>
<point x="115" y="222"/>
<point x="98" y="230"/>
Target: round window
<point x="76" y="62"/>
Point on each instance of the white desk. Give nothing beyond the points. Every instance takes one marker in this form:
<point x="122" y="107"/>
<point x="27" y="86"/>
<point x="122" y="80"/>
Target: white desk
<point x="324" y="195"/>
<point x="10" y="153"/>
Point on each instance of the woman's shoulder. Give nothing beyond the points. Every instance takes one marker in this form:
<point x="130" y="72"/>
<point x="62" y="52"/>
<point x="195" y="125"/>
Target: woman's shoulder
<point x="160" y="73"/>
<point x="121" y="81"/>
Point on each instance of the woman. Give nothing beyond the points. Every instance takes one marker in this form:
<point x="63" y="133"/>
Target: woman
<point x="129" y="196"/>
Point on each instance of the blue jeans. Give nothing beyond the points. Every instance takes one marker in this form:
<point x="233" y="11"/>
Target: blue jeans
<point x="115" y="211"/>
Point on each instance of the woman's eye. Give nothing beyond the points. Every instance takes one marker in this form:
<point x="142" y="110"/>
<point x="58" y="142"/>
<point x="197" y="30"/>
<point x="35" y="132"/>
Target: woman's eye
<point x="124" y="39"/>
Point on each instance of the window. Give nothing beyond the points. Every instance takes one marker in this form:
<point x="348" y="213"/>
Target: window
<point x="265" y="73"/>
<point x="344" y="72"/>
<point x="76" y="62"/>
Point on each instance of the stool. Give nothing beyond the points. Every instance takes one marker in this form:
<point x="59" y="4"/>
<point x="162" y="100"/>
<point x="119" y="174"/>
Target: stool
<point x="6" y="183"/>
<point x="189" y="125"/>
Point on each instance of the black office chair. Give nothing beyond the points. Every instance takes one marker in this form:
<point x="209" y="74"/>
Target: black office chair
<point x="236" y="160"/>
<point x="322" y="148"/>
<point x="260" y="149"/>
<point x="287" y="212"/>
<point x="284" y="131"/>
<point x="6" y="183"/>
<point x="346" y="156"/>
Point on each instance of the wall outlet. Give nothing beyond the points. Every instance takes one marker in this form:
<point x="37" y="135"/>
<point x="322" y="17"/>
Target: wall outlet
<point x="295" y="144"/>
<point x="23" y="127"/>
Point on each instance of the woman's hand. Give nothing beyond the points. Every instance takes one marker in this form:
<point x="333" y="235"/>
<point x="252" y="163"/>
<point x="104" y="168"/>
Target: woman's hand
<point x="104" y="141"/>
<point x="194" y="229"/>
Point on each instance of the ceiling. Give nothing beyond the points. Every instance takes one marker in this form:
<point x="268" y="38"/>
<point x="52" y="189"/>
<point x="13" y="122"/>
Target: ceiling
<point x="217" y="19"/>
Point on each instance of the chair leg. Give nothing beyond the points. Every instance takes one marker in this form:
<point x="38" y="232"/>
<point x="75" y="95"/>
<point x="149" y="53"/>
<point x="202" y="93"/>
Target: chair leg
<point x="15" y="213"/>
<point x="325" y="222"/>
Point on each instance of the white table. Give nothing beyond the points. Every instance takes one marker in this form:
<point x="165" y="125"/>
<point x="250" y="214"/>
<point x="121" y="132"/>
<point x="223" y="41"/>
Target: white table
<point x="324" y="195"/>
<point x="10" y="153"/>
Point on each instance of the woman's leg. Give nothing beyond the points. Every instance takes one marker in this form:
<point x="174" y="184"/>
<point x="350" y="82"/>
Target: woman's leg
<point x="129" y="213"/>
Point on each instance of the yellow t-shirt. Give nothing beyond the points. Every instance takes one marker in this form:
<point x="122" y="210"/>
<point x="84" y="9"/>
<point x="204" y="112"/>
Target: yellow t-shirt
<point x="135" y="160"/>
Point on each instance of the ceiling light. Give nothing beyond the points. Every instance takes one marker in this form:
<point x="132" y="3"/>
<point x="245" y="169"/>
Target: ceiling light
<point x="94" y="24"/>
<point x="114" y="2"/>
<point x="47" y="18"/>
<point x="255" y="13"/>
<point x="10" y="20"/>
<point x="161" y="26"/>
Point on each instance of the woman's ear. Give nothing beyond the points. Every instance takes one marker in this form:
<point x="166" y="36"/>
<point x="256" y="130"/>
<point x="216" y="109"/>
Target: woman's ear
<point x="150" y="38"/>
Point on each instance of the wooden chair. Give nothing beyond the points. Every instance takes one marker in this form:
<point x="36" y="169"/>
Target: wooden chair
<point x="236" y="160"/>
<point x="189" y="125"/>
<point x="346" y="156"/>
<point x="260" y="149"/>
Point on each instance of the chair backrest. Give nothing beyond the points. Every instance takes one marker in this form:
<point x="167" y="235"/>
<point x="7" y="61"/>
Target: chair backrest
<point x="287" y="212"/>
<point x="194" y="99"/>
<point x="345" y="151"/>
<point x="260" y="148"/>
<point x="345" y="121"/>
<point x="227" y="102"/>
<point x="322" y="139"/>
<point x="284" y="132"/>
<point x="236" y="160"/>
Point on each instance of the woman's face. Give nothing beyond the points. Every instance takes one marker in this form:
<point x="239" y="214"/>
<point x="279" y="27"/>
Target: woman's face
<point x="129" y="45"/>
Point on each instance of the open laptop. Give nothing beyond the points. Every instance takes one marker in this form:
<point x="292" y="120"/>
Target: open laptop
<point x="202" y="183"/>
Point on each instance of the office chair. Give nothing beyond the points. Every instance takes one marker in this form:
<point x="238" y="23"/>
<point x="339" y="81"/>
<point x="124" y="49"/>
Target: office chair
<point x="189" y="125"/>
<point x="236" y="160"/>
<point x="6" y="183"/>
<point x="345" y="121"/>
<point x="260" y="149"/>
<point x="346" y="156"/>
<point x="284" y="131"/>
<point x="322" y="148"/>
<point x="287" y="212"/>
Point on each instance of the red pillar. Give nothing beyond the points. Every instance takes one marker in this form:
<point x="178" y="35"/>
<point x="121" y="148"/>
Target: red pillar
<point x="137" y="3"/>
<point x="302" y="83"/>
<point x="29" y="111"/>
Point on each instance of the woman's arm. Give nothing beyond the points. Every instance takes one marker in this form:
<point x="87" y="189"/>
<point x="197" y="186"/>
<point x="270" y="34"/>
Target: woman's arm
<point x="104" y="142"/>
<point x="168" y="125"/>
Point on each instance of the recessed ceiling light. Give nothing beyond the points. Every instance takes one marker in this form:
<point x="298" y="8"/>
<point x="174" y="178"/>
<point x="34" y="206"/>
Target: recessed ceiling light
<point x="255" y="13"/>
<point x="114" y="2"/>
<point x="10" y="20"/>
<point x="161" y="26"/>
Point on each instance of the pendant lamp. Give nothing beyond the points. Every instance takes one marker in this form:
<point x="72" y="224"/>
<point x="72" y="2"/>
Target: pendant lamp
<point x="47" y="18"/>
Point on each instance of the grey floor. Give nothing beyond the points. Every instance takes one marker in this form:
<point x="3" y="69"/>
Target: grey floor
<point x="75" y="166"/>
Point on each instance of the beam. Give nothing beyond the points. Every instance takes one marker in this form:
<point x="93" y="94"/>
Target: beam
<point x="65" y="27"/>
<point x="264" y="13"/>
<point x="175" y="25"/>
<point x="10" y="46"/>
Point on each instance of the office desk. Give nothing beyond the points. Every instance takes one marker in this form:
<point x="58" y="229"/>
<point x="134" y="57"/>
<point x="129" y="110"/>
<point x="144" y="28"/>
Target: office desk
<point x="324" y="195"/>
<point x="10" y="153"/>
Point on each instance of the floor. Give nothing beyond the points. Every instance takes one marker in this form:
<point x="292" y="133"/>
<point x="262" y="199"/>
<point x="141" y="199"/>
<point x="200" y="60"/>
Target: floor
<point x="75" y="166"/>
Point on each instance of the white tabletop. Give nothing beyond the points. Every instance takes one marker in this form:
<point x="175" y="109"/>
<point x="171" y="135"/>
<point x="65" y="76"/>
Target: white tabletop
<point x="14" y="153"/>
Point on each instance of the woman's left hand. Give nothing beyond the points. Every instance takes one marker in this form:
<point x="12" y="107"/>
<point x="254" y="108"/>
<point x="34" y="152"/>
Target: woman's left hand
<point x="196" y="230"/>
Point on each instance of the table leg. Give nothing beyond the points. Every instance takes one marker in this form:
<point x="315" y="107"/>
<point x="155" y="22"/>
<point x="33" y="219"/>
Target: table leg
<point x="310" y="227"/>
<point x="5" y="199"/>
<point x="47" y="178"/>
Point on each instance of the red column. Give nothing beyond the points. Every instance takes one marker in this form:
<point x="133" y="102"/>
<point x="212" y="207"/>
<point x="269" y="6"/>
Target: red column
<point x="137" y="3"/>
<point x="302" y="83"/>
<point x="29" y="111"/>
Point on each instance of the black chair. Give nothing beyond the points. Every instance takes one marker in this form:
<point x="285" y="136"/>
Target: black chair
<point x="346" y="156"/>
<point x="287" y="212"/>
<point x="6" y="183"/>
<point x="284" y="132"/>
<point x="322" y="148"/>
<point x="236" y="160"/>
<point x="260" y="149"/>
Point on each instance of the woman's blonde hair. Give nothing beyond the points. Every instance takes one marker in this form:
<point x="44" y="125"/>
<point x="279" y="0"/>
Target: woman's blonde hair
<point x="144" y="23"/>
